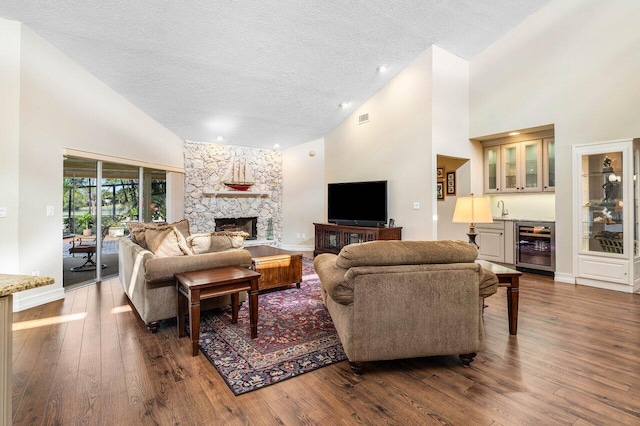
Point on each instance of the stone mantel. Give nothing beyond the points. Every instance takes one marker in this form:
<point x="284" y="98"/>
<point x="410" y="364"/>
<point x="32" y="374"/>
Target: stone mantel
<point x="224" y="193"/>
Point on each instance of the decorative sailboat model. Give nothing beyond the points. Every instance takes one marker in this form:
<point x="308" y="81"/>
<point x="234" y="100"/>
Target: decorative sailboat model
<point x="240" y="178"/>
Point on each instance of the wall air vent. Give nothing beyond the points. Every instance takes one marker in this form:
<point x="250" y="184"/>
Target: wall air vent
<point x="363" y="118"/>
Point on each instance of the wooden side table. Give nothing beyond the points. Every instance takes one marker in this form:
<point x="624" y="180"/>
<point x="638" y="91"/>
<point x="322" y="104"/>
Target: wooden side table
<point x="509" y="278"/>
<point x="199" y="285"/>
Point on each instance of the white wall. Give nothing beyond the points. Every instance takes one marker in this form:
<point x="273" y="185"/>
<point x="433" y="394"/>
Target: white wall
<point x="64" y="106"/>
<point x="574" y="64"/>
<point x="303" y="194"/>
<point x="450" y="126"/>
<point x="9" y="132"/>
<point x="394" y="146"/>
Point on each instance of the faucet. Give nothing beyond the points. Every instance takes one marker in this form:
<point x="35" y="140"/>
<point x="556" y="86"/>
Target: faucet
<point x="504" y="211"/>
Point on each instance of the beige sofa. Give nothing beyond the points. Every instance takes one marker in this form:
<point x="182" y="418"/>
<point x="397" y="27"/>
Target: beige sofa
<point x="148" y="278"/>
<point x="405" y="299"/>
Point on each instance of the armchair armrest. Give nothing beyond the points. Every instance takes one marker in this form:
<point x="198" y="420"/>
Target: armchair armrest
<point x="332" y="278"/>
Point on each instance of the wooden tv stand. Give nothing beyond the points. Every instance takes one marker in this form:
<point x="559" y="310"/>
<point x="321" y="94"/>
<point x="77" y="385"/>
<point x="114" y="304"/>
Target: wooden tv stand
<point x="331" y="238"/>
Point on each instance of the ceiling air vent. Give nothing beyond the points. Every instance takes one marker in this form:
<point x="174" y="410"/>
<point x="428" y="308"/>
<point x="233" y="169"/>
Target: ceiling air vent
<point x="363" y="118"/>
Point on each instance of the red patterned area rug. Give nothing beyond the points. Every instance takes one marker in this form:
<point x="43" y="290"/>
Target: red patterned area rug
<point x="295" y="336"/>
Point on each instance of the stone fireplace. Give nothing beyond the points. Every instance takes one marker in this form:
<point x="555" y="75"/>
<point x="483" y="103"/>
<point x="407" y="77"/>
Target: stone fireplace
<point x="208" y="204"/>
<point x="246" y="224"/>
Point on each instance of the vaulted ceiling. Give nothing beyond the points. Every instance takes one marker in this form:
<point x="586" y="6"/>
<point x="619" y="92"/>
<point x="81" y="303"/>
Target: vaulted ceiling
<point x="259" y="73"/>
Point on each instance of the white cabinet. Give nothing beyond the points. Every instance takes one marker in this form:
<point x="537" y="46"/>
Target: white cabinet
<point x="519" y="166"/>
<point x="606" y="223"/>
<point x="522" y="166"/>
<point x="496" y="241"/>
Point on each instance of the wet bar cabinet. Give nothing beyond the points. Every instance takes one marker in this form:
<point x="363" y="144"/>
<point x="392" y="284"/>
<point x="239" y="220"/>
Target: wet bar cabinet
<point x="607" y="230"/>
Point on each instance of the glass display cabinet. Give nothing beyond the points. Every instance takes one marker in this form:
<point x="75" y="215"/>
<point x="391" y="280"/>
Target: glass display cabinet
<point x="607" y="224"/>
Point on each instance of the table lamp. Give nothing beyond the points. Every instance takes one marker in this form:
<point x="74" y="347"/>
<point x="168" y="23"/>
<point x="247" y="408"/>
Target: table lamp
<point x="472" y="210"/>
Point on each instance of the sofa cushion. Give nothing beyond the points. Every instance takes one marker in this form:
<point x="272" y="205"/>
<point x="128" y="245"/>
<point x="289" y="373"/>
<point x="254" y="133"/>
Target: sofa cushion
<point x="387" y="253"/>
<point x="213" y="242"/>
<point x="162" y="270"/>
<point x="137" y="230"/>
<point x="166" y="241"/>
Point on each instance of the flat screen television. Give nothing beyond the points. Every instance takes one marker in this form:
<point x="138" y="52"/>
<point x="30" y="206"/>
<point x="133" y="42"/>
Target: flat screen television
<point x="357" y="203"/>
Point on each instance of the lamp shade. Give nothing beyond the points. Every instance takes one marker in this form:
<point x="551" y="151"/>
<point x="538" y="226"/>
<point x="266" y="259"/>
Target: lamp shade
<point x="472" y="210"/>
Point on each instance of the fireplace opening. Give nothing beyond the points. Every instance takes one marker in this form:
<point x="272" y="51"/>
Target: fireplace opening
<point x="246" y="224"/>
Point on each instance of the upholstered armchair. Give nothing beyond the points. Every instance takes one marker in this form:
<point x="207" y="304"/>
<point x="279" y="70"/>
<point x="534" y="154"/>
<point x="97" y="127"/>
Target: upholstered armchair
<point x="405" y="299"/>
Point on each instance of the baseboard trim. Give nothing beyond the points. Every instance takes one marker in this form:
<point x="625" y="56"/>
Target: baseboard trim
<point x="43" y="295"/>
<point x="564" y="278"/>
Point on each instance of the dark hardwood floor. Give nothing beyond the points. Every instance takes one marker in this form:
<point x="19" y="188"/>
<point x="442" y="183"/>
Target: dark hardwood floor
<point x="575" y="361"/>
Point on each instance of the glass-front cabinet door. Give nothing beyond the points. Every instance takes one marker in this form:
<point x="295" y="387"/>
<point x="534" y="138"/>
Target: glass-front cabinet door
<point x="522" y="165"/>
<point x="607" y="225"/>
<point x="492" y="169"/>
<point x="510" y="181"/>
<point x="603" y="203"/>
<point x="549" y="165"/>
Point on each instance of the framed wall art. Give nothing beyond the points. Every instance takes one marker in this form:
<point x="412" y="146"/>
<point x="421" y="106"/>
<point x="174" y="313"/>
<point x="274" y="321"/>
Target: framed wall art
<point x="440" y="191"/>
<point x="440" y="172"/>
<point x="451" y="183"/>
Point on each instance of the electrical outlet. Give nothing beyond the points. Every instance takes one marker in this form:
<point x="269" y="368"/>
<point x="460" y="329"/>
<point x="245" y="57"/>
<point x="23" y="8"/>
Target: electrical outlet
<point x="298" y="235"/>
<point x="35" y="273"/>
<point x="304" y="236"/>
<point x="50" y="210"/>
<point x="3" y="212"/>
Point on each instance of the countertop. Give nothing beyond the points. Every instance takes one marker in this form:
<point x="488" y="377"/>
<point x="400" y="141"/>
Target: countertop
<point x="520" y="219"/>
<point x="10" y="283"/>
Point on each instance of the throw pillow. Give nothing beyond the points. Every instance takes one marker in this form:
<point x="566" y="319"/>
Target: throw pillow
<point x="216" y="241"/>
<point x="166" y="241"/>
<point x="137" y="230"/>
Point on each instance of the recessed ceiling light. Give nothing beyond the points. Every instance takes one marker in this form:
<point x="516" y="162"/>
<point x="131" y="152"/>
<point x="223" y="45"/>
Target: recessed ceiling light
<point x="383" y="68"/>
<point x="276" y="145"/>
<point x="219" y="138"/>
<point x="344" y="105"/>
<point x="514" y="133"/>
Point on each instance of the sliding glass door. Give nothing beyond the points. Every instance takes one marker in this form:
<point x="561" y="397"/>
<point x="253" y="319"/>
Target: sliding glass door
<point x="125" y="193"/>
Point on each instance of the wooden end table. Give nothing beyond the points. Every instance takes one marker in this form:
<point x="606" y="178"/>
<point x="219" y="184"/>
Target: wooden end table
<point x="199" y="285"/>
<point x="509" y="278"/>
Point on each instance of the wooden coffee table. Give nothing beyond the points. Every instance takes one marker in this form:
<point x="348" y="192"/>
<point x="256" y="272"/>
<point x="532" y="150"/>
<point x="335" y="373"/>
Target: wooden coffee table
<point x="509" y="278"/>
<point x="199" y="285"/>
<point x="278" y="267"/>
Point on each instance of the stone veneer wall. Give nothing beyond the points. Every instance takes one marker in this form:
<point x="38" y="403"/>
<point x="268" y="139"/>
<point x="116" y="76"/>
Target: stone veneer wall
<point x="205" y="166"/>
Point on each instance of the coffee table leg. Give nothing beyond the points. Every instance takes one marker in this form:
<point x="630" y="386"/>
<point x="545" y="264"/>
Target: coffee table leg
<point x="253" y="312"/>
<point x="235" y="300"/>
<point x="194" y="326"/>
<point x="513" y="295"/>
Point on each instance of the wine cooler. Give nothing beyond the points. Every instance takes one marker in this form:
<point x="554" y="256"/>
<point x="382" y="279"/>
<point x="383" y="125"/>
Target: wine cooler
<point x="535" y="245"/>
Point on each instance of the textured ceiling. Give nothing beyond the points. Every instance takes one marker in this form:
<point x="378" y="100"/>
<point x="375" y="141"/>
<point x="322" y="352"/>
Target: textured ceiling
<point x="255" y="72"/>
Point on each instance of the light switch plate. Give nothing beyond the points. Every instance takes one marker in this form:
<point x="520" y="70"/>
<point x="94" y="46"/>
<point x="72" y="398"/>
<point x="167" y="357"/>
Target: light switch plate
<point x="3" y="212"/>
<point x="50" y="210"/>
<point x="416" y="205"/>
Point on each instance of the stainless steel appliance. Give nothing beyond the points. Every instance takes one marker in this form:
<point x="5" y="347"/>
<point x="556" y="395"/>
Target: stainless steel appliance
<point x="535" y="245"/>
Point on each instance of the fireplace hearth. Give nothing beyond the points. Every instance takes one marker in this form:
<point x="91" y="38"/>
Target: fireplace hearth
<point x="246" y="224"/>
